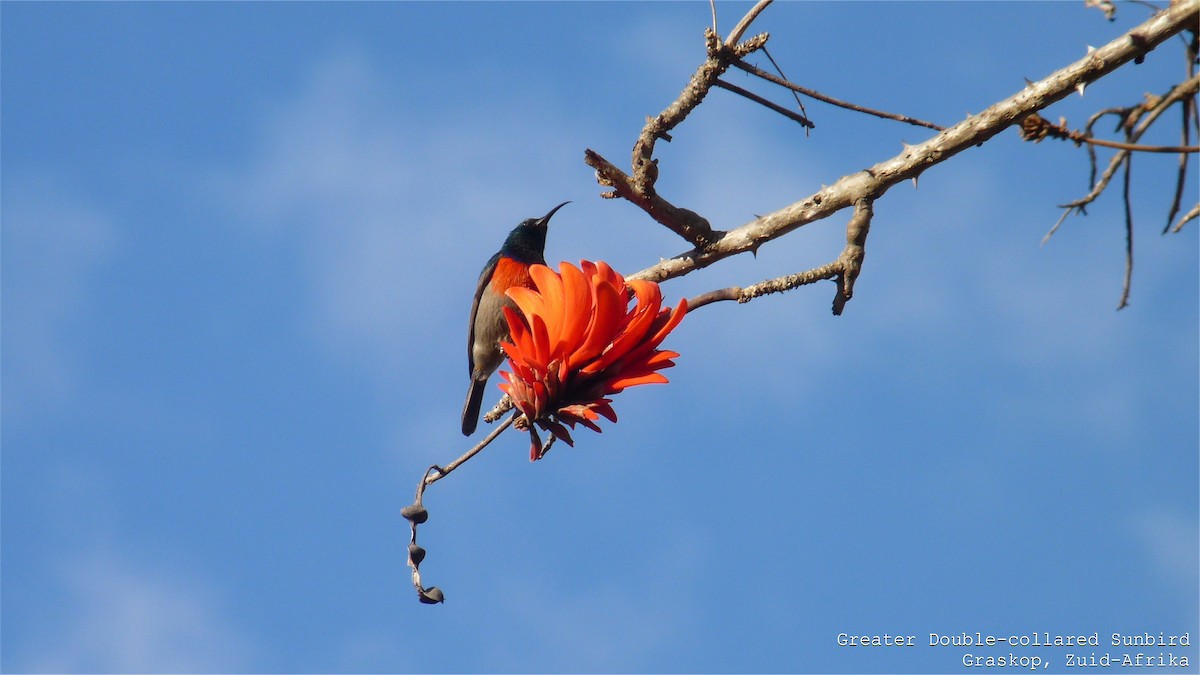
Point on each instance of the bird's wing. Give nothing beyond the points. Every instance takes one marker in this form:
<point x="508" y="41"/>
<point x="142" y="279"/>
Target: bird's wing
<point x="484" y="278"/>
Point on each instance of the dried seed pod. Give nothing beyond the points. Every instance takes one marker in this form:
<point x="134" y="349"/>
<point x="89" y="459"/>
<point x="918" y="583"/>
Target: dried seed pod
<point x="416" y="554"/>
<point x="432" y="595"/>
<point x="415" y="513"/>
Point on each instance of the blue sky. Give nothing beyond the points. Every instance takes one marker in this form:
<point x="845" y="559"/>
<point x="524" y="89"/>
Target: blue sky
<point x="239" y="244"/>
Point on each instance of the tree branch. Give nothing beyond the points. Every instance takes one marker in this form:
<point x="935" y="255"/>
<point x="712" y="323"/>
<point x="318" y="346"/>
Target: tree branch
<point x="845" y="269"/>
<point x="976" y="129"/>
<point x="638" y="187"/>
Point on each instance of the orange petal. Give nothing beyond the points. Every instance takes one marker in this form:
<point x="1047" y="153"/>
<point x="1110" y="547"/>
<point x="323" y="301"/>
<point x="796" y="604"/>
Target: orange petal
<point x="527" y="300"/>
<point x="550" y="287"/>
<point x="666" y="321"/>
<point x="623" y="381"/>
<point x="577" y="300"/>
<point x="518" y="330"/>
<point x="675" y="316"/>
<point x="642" y="318"/>
<point x="540" y="356"/>
<point x="606" y="315"/>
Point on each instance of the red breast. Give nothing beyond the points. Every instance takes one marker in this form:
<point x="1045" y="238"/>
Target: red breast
<point x="509" y="273"/>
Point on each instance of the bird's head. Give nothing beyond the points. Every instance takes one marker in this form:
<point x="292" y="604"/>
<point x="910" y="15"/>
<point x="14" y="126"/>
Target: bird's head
<point x="527" y="241"/>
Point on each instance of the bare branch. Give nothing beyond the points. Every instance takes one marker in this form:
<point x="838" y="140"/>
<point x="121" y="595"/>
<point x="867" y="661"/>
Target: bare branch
<point x="1137" y="123"/>
<point x="1188" y="110"/>
<point x="812" y="93"/>
<point x="720" y="55"/>
<point x="687" y="224"/>
<point x="638" y="186"/>
<point x="976" y="129"/>
<point x="1124" y="302"/>
<point x="852" y="256"/>
<point x="777" y="285"/>
<point x="735" y="35"/>
<point x="845" y="269"/>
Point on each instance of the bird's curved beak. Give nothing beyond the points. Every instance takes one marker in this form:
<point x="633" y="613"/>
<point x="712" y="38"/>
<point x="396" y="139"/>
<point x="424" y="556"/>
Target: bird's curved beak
<point x="545" y="220"/>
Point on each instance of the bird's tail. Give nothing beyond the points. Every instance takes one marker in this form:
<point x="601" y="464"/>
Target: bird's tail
<point x="470" y="416"/>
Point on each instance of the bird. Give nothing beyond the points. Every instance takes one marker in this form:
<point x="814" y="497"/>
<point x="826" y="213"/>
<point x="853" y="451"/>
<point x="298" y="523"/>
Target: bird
<point x="524" y="246"/>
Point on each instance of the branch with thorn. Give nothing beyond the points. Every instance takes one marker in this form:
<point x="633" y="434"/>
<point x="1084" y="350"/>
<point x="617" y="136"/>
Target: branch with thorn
<point x="637" y="187"/>
<point x="873" y="182"/>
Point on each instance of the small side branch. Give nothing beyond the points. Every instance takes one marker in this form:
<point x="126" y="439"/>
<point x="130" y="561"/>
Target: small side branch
<point x="720" y="55"/>
<point x="845" y="270"/>
<point x="778" y="285"/>
<point x="794" y="116"/>
<point x="638" y="186"/>
<point x="852" y="256"/>
<point x="1136" y="122"/>
<point x="686" y="223"/>
<point x="1188" y="217"/>
<point x="812" y="93"/>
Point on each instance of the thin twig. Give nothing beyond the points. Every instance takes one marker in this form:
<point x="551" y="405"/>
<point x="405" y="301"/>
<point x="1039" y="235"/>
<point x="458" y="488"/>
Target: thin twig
<point x="1137" y="147"/>
<point x="812" y="93"/>
<point x="1188" y="110"/>
<point x="1128" y="237"/>
<point x="794" y="116"/>
<point x="1187" y="218"/>
<point x="1178" y="93"/>
<point x="416" y="513"/>
<point x="795" y="94"/>
<point x="443" y="471"/>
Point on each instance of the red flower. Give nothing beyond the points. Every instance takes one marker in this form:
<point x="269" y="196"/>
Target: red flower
<point x="575" y="342"/>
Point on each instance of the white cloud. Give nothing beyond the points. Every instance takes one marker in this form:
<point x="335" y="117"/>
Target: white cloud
<point x="52" y="246"/>
<point x="395" y="205"/>
<point x="109" y="602"/>
<point x="130" y="617"/>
